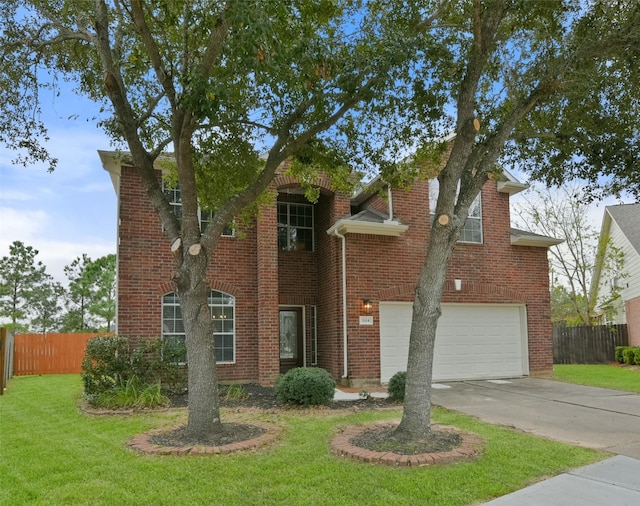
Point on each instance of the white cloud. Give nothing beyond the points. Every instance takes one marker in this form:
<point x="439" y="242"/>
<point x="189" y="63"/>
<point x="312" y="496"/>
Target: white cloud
<point x="20" y="225"/>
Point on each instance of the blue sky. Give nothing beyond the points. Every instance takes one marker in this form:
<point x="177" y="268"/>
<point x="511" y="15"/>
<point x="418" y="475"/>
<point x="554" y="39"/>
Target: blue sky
<point x="70" y="211"/>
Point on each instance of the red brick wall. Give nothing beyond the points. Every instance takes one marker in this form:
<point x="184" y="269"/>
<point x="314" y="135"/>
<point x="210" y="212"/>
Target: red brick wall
<point x="250" y="267"/>
<point x="386" y="268"/>
<point x="145" y="264"/>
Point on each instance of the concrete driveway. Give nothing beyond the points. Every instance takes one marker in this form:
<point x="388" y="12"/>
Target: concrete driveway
<point x="592" y="417"/>
<point x="586" y="416"/>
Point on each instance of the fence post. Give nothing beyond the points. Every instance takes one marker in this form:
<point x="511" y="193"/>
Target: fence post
<point x="3" y="352"/>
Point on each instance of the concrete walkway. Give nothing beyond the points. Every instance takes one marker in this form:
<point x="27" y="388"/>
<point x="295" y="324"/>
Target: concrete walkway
<point x="592" y="417"/>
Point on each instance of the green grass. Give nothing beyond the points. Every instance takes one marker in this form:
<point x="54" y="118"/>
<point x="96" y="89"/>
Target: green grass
<point x="605" y="376"/>
<point x="51" y="453"/>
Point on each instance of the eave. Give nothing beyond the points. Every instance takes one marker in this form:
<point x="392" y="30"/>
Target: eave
<point x="347" y="226"/>
<point x="522" y="238"/>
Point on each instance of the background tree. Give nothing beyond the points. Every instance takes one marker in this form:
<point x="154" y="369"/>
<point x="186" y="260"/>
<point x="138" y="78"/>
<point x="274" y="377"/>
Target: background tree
<point x="20" y="277"/>
<point x="102" y="275"/>
<point x="91" y="294"/>
<point x="512" y="71"/>
<point x="564" y="214"/>
<point x="217" y="82"/>
<point x="78" y="295"/>
<point x="46" y="305"/>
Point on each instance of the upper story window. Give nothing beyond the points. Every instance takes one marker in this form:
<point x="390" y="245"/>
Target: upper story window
<point x="222" y="307"/>
<point x="472" y="229"/>
<point x="175" y="201"/>
<point x="295" y="226"/>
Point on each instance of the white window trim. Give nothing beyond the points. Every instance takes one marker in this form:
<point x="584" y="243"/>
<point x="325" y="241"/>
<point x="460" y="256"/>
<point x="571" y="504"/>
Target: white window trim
<point x="289" y="226"/>
<point x="314" y="334"/>
<point x="228" y="231"/>
<point x="211" y="306"/>
<point x="477" y="201"/>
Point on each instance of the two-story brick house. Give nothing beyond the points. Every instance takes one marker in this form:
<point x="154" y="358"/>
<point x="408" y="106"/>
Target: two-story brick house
<point x="330" y="284"/>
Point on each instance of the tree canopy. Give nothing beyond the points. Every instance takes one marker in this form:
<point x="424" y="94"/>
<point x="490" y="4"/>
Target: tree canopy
<point x="331" y="83"/>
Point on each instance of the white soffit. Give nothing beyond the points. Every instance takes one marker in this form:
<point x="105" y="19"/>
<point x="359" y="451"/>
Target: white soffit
<point x="388" y="227"/>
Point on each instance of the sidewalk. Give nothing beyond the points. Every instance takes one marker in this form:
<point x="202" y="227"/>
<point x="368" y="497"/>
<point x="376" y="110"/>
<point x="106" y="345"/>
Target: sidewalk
<point x="612" y="482"/>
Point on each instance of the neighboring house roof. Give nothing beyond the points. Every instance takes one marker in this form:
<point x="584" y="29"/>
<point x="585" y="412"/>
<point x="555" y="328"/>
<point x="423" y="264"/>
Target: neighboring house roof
<point x="627" y="218"/>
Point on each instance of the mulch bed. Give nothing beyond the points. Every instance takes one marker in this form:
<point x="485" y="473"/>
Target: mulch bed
<point x="371" y="443"/>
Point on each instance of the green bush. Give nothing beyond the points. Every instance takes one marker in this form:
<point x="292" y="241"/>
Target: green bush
<point x="620" y="354"/>
<point x="397" y="385"/>
<point x="305" y="386"/>
<point x="114" y="373"/>
<point x="636" y="358"/>
<point x="105" y="364"/>
<point x="629" y="356"/>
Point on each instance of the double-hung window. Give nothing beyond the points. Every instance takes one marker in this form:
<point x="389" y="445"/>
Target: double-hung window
<point x="222" y="307"/>
<point x="204" y="216"/>
<point x="472" y="229"/>
<point x="295" y="226"/>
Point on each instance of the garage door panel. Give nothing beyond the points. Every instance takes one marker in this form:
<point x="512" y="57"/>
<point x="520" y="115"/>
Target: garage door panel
<point x="472" y="341"/>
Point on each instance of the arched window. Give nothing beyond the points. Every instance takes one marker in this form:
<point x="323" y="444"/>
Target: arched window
<point x="222" y="306"/>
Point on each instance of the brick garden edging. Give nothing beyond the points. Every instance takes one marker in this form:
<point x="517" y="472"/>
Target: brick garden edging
<point x="341" y="446"/>
<point x="142" y="443"/>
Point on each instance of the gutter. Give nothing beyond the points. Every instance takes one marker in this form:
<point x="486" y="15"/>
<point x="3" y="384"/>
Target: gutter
<point x="345" y="371"/>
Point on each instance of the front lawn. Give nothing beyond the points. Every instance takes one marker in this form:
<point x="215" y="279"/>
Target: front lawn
<point x="51" y="453"/>
<point x="626" y="378"/>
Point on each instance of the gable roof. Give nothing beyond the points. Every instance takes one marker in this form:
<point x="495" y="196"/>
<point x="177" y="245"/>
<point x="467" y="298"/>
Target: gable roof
<point x="627" y="217"/>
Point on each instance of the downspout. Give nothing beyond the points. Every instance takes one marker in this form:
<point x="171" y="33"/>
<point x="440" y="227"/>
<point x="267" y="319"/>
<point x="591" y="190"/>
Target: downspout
<point x="390" y="194"/>
<point x="344" y="301"/>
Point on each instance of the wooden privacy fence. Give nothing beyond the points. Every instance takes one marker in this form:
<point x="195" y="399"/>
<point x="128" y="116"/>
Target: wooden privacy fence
<point x="588" y="345"/>
<point x="6" y="358"/>
<point x="49" y="353"/>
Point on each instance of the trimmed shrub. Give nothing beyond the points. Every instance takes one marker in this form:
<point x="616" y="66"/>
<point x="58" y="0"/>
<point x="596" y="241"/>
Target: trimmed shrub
<point x="396" y="386"/>
<point x="126" y="376"/>
<point x="105" y="363"/>
<point x="305" y="386"/>
<point x="629" y="356"/>
<point x="636" y="353"/>
<point x="620" y="354"/>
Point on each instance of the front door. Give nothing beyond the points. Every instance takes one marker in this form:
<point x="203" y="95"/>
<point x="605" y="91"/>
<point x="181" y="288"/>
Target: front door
<point x="291" y="347"/>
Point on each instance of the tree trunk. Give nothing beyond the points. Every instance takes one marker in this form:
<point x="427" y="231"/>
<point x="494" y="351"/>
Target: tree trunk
<point x="204" y="403"/>
<point x="416" y="416"/>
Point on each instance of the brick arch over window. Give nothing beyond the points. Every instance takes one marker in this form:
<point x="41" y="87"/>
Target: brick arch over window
<point x="220" y="286"/>
<point x="406" y="292"/>
<point x="324" y="183"/>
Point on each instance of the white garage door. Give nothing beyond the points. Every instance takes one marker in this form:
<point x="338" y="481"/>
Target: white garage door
<point x="473" y="341"/>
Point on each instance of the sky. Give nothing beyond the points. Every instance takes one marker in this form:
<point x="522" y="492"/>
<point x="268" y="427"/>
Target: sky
<point x="72" y="211"/>
<point x="66" y="213"/>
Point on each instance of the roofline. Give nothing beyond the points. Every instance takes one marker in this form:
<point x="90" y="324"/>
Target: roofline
<point x="112" y="162"/>
<point x="347" y="226"/>
<point x="605" y="228"/>
<point x="537" y="241"/>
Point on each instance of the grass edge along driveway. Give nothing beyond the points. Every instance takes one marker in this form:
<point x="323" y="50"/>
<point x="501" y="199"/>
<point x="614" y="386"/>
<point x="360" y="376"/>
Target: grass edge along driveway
<point x="616" y="377"/>
<point x="51" y="453"/>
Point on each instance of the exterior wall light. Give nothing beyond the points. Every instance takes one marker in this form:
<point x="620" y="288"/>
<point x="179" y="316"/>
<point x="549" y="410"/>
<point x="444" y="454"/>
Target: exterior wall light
<point x="367" y="305"/>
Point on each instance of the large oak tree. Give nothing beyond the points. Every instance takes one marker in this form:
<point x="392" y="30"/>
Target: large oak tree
<point x="549" y="87"/>
<point x="217" y="83"/>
